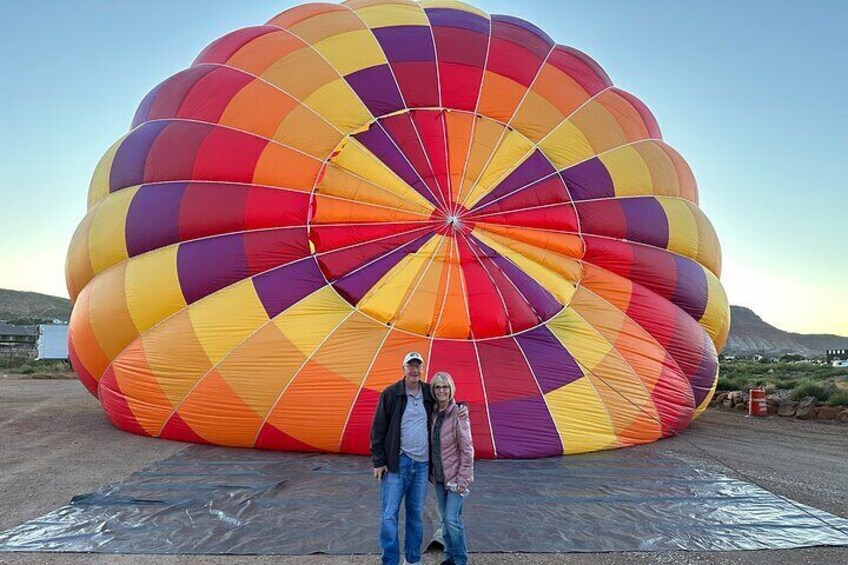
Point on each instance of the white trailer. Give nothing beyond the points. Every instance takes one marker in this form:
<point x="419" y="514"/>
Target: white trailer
<point x="52" y="341"/>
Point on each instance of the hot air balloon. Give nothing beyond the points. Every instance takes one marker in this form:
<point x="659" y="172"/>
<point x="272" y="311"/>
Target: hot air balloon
<point x="314" y="197"/>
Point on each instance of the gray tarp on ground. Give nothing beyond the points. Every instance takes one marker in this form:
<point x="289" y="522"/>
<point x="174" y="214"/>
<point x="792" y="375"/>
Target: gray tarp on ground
<point x="207" y="500"/>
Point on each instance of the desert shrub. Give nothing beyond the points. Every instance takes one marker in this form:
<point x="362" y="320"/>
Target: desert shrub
<point x="839" y="398"/>
<point x="739" y="382"/>
<point x="49" y="366"/>
<point x="791" y="357"/>
<point x="724" y="385"/>
<point x="731" y="383"/>
<point x="784" y="383"/>
<point x="25" y="366"/>
<point x="12" y="362"/>
<point x="46" y="366"/>
<point x="809" y="388"/>
<point x="783" y="375"/>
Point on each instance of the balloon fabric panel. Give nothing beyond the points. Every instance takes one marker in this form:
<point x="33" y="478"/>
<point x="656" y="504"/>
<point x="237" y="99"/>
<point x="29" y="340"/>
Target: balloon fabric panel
<point x="314" y="197"/>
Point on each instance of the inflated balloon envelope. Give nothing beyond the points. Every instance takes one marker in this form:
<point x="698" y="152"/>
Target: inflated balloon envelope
<point x="315" y="197"/>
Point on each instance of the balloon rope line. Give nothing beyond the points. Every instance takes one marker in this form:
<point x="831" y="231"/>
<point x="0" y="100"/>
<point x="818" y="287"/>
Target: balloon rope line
<point x="797" y="505"/>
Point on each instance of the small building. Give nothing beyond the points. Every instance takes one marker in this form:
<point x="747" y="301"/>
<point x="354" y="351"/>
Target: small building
<point x="53" y="341"/>
<point x="837" y="355"/>
<point x="18" y="341"/>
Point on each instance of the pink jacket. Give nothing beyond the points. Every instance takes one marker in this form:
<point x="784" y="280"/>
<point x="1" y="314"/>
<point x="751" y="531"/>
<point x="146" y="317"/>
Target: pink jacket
<point x="457" y="446"/>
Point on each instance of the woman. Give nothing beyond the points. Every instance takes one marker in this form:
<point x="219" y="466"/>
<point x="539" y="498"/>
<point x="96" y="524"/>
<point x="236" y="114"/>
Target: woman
<point x="452" y="464"/>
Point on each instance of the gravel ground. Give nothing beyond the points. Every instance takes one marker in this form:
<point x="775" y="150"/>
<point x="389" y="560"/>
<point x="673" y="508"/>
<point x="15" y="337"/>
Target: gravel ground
<point x="55" y="443"/>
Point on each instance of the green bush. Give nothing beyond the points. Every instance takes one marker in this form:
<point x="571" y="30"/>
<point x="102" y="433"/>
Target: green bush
<point x="791" y="357"/>
<point x="805" y="379"/>
<point x="739" y="383"/>
<point x="783" y="375"/>
<point x="809" y="388"/>
<point x="25" y="366"/>
<point x="839" y="398"/>
<point x="787" y="383"/>
<point x="46" y="366"/>
<point x="731" y="383"/>
<point x="723" y="385"/>
<point x="12" y="362"/>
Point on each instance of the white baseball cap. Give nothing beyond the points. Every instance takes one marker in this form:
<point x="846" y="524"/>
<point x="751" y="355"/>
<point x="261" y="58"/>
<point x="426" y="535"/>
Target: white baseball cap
<point x="413" y="356"/>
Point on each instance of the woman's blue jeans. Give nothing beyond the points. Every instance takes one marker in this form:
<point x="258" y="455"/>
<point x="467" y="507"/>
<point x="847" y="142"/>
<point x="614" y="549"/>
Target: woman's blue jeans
<point x="450" y="508"/>
<point x="409" y="483"/>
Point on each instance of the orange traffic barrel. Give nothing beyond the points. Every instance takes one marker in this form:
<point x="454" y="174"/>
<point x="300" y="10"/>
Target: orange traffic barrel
<point x="757" y="402"/>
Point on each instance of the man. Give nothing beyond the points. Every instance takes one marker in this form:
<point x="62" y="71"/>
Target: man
<point x="400" y="453"/>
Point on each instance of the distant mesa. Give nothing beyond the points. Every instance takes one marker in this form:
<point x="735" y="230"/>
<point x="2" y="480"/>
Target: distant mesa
<point x="33" y="326"/>
<point x="750" y="335"/>
<point x="16" y="305"/>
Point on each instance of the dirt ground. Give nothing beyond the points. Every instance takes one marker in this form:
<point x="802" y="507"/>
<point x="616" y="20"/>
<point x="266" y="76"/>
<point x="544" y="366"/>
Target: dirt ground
<point x="55" y="443"/>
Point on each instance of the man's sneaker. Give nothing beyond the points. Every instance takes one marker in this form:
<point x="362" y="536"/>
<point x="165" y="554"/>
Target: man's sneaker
<point x="447" y="562"/>
<point x="405" y="562"/>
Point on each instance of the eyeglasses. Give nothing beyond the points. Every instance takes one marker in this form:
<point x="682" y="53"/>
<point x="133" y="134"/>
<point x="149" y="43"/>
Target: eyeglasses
<point x="441" y="387"/>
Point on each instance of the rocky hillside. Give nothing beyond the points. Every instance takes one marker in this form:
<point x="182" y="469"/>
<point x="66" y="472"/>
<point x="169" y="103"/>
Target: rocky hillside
<point x="16" y="305"/>
<point x="749" y="334"/>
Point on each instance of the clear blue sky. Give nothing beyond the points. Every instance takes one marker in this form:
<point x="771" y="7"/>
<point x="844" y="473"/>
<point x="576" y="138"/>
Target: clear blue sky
<point x="753" y="94"/>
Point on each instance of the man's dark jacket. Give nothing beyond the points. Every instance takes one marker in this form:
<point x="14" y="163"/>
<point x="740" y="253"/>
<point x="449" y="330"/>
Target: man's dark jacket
<point x="385" y="429"/>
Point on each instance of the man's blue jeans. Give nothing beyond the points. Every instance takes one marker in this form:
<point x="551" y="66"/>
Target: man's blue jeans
<point x="450" y="507"/>
<point x="409" y="483"/>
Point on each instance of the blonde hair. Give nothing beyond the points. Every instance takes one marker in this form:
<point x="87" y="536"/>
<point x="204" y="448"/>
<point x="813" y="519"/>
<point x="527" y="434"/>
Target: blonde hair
<point x="444" y="377"/>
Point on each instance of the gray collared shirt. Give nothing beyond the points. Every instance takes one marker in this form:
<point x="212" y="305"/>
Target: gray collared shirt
<point x="413" y="427"/>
